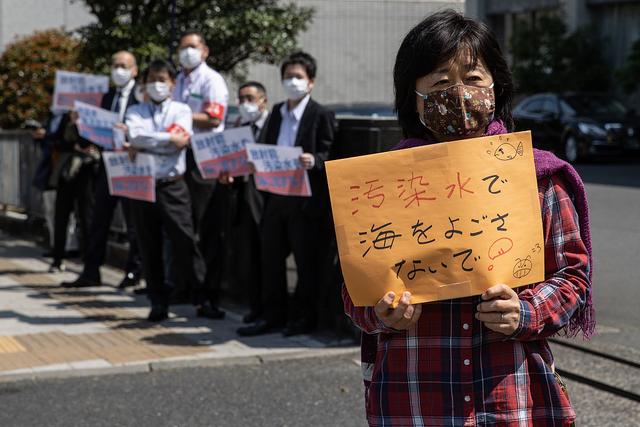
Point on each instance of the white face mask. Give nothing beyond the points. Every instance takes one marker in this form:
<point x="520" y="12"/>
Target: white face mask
<point x="249" y="112"/>
<point x="120" y="76"/>
<point x="295" y="88"/>
<point x="190" y="57"/>
<point x="158" y="91"/>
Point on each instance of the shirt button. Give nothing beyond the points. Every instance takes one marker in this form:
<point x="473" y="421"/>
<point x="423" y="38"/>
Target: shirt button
<point x="467" y="399"/>
<point x="467" y="362"/>
<point x="465" y="326"/>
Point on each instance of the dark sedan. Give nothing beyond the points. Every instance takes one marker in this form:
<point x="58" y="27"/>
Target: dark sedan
<point x="578" y="125"/>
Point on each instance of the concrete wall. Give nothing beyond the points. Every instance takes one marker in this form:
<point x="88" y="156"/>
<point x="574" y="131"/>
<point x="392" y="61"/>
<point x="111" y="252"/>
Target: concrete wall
<point x="23" y="17"/>
<point x="355" y="43"/>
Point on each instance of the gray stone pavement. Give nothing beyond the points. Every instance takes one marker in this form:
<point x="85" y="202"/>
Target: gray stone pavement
<point x="46" y="330"/>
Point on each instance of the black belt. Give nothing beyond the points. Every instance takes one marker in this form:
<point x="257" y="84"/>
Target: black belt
<point x="169" y="179"/>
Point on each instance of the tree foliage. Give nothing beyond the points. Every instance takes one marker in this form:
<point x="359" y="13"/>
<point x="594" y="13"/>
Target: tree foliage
<point x="27" y="72"/>
<point x="237" y="31"/>
<point x="547" y="58"/>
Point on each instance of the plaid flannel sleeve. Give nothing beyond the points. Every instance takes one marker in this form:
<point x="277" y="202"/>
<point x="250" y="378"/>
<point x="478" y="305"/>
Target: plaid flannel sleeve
<point x="547" y="307"/>
<point x="364" y="318"/>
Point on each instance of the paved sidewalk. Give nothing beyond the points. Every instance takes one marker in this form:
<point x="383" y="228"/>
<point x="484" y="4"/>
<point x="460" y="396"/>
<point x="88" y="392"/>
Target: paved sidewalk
<point x="46" y="330"/>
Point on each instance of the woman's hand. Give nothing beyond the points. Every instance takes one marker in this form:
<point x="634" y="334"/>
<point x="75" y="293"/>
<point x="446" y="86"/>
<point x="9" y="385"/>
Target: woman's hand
<point x="403" y="317"/>
<point x="500" y="310"/>
<point x="179" y="138"/>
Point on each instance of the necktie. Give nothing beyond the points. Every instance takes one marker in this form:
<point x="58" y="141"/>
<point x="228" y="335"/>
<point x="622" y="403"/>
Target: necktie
<point x="115" y="104"/>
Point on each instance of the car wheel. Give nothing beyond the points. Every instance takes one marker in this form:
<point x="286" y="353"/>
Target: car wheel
<point x="571" y="153"/>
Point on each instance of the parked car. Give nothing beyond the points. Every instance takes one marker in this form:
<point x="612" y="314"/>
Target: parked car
<point x="578" y="125"/>
<point x="362" y="109"/>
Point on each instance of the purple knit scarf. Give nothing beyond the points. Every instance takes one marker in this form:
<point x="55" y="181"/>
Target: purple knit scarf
<point x="547" y="164"/>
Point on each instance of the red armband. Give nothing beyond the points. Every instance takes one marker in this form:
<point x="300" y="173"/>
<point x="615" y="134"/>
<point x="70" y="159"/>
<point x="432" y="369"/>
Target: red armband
<point x="176" y="128"/>
<point x="214" y="110"/>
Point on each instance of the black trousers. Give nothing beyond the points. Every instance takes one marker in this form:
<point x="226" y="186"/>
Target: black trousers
<point x="230" y="243"/>
<point x="77" y="191"/>
<point x="245" y="242"/>
<point x="287" y="227"/>
<point x="104" y="207"/>
<point x="171" y="212"/>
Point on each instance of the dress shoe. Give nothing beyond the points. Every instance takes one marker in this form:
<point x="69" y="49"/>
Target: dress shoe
<point x="130" y="279"/>
<point x="250" y="317"/>
<point x="81" y="282"/>
<point x="158" y="313"/>
<point x="141" y="291"/>
<point x="298" y="327"/>
<point x="57" y="266"/>
<point x="209" y="311"/>
<point x="259" y="327"/>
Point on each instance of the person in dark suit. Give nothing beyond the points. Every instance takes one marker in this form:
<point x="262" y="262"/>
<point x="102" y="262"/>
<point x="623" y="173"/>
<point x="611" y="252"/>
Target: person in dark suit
<point x="291" y="223"/>
<point x="237" y="207"/>
<point x="122" y="95"/>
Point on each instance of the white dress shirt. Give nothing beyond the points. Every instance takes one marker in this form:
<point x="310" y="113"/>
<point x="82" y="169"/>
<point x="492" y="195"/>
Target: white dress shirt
<point x="148" y="125"/>
<point x="122" y="95"/>
<point x="291" y="122"/>
<point x="200" y="87"/>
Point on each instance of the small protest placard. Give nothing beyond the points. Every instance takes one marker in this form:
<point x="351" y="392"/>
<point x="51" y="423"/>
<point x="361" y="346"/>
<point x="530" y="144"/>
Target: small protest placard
<point x="96" y="124"/>
<point x="222" y="152"/>
<point x="134" y="180"/>
<point x="442" y="221"/>
<point x="278" y="170"/>
<point x="71" y="86"/>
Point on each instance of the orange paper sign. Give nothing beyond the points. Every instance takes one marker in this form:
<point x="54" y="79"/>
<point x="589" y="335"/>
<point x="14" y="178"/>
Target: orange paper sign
<point x="442" y="221"/>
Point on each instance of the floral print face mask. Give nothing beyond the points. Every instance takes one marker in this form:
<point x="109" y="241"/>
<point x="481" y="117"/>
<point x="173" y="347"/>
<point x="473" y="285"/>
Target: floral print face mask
<point x="458" y="110"/>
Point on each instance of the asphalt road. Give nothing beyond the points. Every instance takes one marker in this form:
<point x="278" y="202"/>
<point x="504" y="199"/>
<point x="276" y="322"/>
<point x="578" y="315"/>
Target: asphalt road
<point x="306" y="392"/>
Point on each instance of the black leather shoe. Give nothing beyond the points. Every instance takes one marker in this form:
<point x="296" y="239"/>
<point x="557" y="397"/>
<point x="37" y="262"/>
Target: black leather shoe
<point x="209" y="311"/>
<point x="130" y="279"/>
<point x="57" y="266"/>
<point x="140" y="291"/>
<point x="81" y="282"/>
<point x="259" y="327"/>
<point x="298" y="327"/>
<point x="158" y="313"/>
<point x="250" y="317"/>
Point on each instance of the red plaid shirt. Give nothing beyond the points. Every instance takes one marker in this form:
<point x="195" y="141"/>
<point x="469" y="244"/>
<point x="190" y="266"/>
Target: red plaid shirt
<point x="449" y="370"/>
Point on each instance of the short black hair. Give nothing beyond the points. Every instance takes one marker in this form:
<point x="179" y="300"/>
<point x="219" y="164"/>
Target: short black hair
<point x="194" y="33"/>
<point x="302" y="58"/>
<point x="259" y="86"/>
<point x="159" y="65"/>
<point x="435" y="40"/>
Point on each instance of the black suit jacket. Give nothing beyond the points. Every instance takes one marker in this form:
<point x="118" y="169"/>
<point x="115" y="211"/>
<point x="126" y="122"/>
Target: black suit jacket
<point x="316" y="134"/>
<point x="107" y="99"/>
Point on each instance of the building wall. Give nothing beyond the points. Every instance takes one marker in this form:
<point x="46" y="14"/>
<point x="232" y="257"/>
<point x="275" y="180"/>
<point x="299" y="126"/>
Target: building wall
<point x="355" y="43"/>
<point x="23" y="17"/>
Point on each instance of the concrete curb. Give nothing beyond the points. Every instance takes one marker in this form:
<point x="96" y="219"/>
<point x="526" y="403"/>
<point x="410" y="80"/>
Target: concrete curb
<point x="43" y="373"/>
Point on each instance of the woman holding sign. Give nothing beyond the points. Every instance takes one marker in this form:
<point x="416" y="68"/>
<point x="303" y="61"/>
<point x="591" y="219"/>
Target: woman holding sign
<point x="481" y="360"/>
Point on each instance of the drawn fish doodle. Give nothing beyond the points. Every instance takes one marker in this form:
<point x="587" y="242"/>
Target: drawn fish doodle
<point x="522" y="267"/>
<point x="507" y="151"/>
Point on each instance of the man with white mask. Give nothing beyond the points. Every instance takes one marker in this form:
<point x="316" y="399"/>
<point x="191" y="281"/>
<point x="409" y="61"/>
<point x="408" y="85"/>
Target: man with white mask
<point x="119" y="97"/>
<point x="205" y="92"/>
<point x="245" y="205"/>
<point x="162" y="127"/>
<point x="291" y="223"/>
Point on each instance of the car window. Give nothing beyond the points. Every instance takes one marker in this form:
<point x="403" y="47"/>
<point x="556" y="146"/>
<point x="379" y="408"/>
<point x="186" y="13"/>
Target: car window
<point x="567" y="110"/>
<point x="534" y="106"/>
<point x="549" y="106"/>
